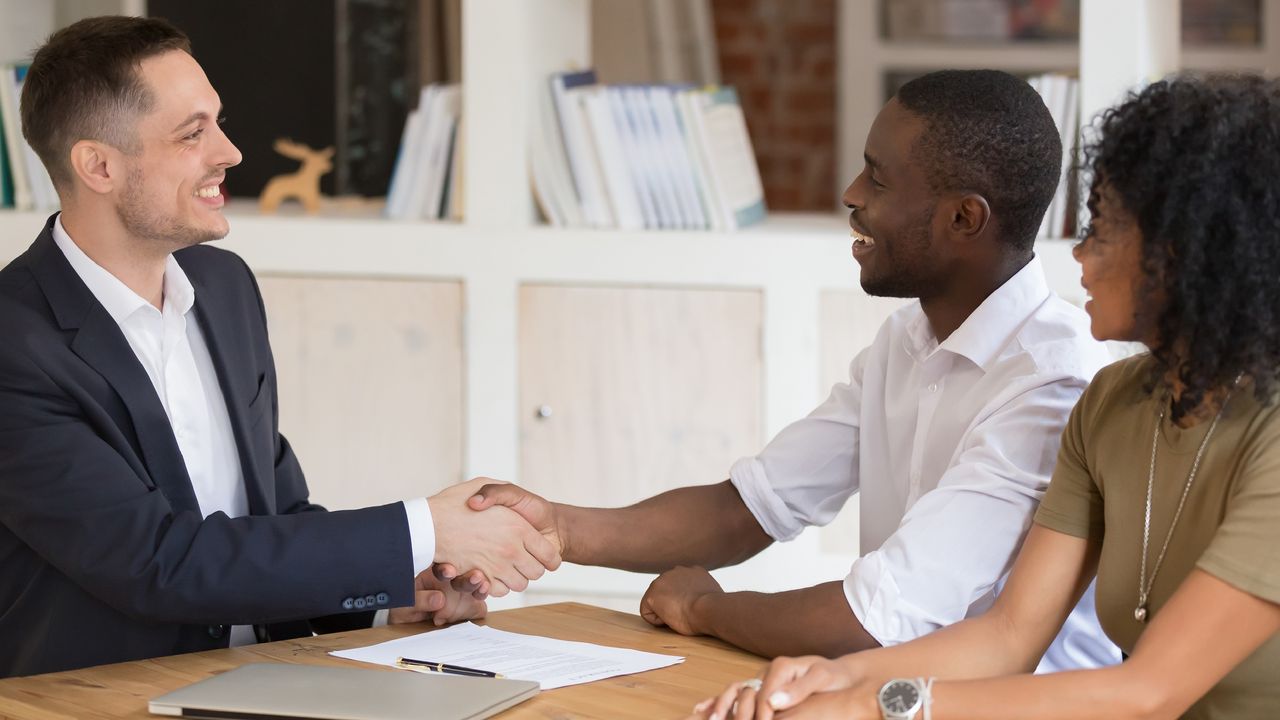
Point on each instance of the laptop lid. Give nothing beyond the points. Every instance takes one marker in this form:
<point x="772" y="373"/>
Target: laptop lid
<point x="269" y="690"/>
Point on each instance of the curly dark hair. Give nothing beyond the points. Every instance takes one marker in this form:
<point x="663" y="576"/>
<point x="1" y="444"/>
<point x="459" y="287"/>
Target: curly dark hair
<point x="988" y="132"/>
<point x="1196" y="160"/>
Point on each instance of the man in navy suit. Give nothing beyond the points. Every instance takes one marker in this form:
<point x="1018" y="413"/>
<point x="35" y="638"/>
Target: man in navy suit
<point x="148" y="503"/>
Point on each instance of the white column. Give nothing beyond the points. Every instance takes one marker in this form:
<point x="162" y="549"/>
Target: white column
<point x="859" y="78"/>
<point x="508" y="50"/>
<point x="1124" y="45"/>
<point x="23" y="26"/>
<point x="492" y="392"/>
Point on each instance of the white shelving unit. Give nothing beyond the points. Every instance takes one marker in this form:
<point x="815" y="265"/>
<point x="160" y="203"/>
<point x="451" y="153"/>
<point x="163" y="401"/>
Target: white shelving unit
<point x="508" y="50"/>
<point x="791" y="259"/>
<point x="1121" y="45"/>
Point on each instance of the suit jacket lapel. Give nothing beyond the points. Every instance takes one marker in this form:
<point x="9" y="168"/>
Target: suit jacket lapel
<point x="232" y="365"/>
<point x="99" y="342"/>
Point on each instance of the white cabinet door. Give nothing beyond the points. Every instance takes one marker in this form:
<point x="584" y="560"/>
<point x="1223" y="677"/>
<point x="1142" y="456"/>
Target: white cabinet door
<point x="370" y="381"/>
<point x="626" y="392"/>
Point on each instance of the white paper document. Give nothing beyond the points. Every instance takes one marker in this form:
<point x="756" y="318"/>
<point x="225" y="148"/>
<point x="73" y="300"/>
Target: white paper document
<point x="552" y="663"/>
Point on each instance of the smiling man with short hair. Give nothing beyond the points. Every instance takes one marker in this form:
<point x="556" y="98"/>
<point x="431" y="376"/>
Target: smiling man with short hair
<point x="148" y="503"/>
<point x="948" y="425"/>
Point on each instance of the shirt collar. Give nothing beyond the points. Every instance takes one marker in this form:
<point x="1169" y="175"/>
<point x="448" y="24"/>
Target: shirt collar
<point x="987" y="330"/>
<point x="116" y="298"/>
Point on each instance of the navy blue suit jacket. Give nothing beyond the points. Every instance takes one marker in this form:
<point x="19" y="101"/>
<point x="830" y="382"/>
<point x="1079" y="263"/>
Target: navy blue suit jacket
<point x="104" y="554"/>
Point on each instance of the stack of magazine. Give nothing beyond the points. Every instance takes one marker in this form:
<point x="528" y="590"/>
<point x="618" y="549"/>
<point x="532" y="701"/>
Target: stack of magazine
<point x="425" y="184"/>
<point x="24" y="183"/>
<point x="643" y="157"/>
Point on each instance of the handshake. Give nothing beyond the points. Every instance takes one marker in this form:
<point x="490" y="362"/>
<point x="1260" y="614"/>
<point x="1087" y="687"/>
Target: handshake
<point x="491" y="538"/>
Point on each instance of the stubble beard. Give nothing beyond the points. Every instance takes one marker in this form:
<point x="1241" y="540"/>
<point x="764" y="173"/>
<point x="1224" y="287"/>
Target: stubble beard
<point x="902" y="276"/>
<point x="142" y="220"/>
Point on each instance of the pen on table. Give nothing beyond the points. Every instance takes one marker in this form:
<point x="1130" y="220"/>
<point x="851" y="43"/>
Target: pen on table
<point x="446" y="668"/>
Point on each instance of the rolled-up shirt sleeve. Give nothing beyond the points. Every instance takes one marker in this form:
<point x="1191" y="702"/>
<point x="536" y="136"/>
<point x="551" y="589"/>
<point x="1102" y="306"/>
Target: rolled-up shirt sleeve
<point x="810" y="469"/>
<point x="957" y="542"/>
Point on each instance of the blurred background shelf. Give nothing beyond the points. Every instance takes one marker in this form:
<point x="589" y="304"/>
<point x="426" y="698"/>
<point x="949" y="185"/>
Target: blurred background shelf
<point x="415" y="354"/>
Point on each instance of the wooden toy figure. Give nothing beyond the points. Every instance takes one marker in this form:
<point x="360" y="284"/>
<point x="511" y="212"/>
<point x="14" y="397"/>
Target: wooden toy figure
<point x="304" y="185"/>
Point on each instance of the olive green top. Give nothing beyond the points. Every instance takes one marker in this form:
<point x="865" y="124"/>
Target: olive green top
<point x="1230" y="525"/>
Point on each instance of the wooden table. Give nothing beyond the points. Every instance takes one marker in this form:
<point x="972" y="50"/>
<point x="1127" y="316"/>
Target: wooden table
<point x="122" y="690"/>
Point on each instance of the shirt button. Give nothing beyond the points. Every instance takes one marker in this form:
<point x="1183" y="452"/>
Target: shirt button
<point x="933" y="387"/>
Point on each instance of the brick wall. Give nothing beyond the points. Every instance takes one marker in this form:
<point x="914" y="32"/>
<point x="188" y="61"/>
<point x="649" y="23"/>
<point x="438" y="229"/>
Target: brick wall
<point x="781" y="55"/>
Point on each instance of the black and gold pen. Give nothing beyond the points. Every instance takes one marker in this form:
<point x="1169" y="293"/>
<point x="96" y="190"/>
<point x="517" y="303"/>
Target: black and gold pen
<point x="427" y="666"/>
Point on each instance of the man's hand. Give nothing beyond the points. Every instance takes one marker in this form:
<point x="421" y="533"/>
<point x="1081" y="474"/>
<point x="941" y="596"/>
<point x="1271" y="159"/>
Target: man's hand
<point x="670" y="599"/>
<point x="436" y="601"/>
<point x="533" y="508"/>
<point x="498" y="542"/>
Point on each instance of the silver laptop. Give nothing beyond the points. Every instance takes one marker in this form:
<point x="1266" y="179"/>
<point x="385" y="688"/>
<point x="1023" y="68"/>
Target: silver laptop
<point x="340" y="693"/>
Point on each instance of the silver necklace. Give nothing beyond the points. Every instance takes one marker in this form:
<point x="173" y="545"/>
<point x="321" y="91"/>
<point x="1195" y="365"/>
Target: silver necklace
<point x="1144" y="583"/>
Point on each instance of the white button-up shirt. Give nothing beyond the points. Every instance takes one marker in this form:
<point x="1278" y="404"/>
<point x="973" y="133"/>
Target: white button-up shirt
<point x="951" y="446"/>
<point x="171" y="348"/>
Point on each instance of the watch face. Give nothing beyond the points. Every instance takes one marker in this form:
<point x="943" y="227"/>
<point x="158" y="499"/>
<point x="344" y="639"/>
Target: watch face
<point x="900" y="696"/>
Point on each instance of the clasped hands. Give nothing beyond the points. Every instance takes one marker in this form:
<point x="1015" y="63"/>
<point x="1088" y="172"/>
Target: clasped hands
<point x="503" y="536"/>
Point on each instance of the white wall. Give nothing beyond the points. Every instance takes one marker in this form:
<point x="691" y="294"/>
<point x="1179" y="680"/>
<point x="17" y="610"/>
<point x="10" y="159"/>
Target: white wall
<point x="23" y="24"/>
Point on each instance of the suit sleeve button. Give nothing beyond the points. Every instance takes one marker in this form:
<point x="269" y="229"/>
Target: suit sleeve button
<point x="348" y="604"/>
<point x="383" y="598"/>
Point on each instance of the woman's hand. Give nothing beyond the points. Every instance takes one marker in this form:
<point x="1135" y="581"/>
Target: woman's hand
<point x="787" y="683"/>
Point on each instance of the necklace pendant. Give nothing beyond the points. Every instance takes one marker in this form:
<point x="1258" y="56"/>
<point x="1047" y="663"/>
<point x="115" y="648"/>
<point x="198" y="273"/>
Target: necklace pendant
<point x="1140" y="613"/>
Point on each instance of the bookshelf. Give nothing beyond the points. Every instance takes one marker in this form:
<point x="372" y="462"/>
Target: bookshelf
<point x="1120" y="44"/>
<point x="807" y="304"/>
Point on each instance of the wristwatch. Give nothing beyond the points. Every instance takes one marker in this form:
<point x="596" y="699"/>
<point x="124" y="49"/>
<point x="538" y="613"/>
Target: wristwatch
<point x="903" y="698"/>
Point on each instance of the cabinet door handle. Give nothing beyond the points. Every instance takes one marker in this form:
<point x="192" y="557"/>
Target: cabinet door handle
<point x="543" y="412"/>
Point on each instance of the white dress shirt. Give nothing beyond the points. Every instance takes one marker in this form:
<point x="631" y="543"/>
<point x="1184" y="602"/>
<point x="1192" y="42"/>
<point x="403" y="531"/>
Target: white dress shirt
<point x="171" y="348"/>
<point x="952" y="446"/>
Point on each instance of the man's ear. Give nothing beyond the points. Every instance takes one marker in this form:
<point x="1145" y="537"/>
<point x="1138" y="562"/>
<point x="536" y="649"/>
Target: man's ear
<point x="95" y="165"/>
<point x="970" y="215"/>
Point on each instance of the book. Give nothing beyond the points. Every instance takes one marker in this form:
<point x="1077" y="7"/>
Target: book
<point x="672" y="145"/>
<point x="633" y="156"/>
<point x="653" y="162"/>
<point x="1061" y="95"/>
<point x="624" y="200"/>
<point x="6" y="176"/>
<point x="442" y="120"/>
<point x="643" y="157"/>
<point x="1062" y="221"/>
<point x="583" y="160"/>
<point x="698" y="156"/>
<point x="549" y="167"/>
<point x="407" y="159"/>
<point x="735" y="179"/>
<point x="455" y="194"/>
<point x="423" y="176"/>
<point x="14" y="143"/>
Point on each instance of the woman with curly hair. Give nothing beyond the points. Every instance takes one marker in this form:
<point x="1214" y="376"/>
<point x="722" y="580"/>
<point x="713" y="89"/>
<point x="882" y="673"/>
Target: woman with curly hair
<point x="1167" y="487"/>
